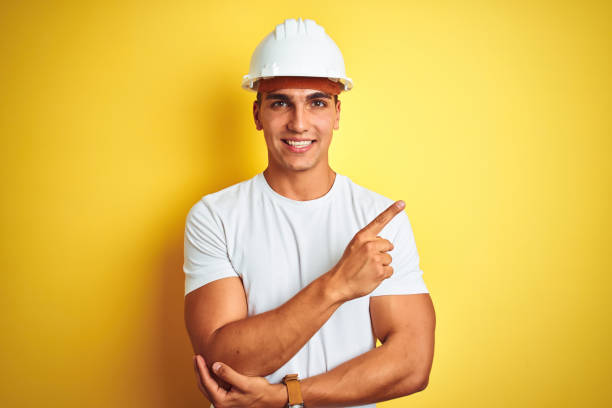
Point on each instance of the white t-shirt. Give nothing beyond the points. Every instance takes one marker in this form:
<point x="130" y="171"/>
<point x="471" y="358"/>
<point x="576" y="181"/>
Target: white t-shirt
<point x="277" y="246"/>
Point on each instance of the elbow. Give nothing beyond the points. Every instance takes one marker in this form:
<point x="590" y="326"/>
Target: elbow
<point x="422" y="382"/>
<point x="215" y="349"/>
<point x="418" y="381"/>
<point x="421" y="376"/>
<point x="207" y="348"/>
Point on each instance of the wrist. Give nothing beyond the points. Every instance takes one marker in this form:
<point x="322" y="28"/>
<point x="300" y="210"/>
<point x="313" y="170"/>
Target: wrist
<point x="333" y="287"/>
<point x="294" y="392"/>
<point x="278" y="396"/>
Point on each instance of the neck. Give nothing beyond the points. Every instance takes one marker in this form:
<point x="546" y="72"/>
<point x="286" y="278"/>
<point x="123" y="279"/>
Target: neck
<point x="301" y="185"/>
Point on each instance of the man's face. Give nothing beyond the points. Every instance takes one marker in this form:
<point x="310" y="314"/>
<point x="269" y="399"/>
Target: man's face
<point x="292" y="115"/>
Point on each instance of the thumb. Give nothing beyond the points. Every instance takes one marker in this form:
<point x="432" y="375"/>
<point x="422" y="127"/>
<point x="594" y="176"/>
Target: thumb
<point x="229" y="375"/>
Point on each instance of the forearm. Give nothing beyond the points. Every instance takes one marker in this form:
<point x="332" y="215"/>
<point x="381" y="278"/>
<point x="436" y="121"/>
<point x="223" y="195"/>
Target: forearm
<point x="386" y="372"/>
<point x="261" y="344"/>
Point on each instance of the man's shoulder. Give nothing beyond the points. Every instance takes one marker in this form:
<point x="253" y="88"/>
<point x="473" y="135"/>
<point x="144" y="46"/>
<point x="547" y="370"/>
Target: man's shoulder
<point x="226" y="199"/>
<point x="230" y="194"/>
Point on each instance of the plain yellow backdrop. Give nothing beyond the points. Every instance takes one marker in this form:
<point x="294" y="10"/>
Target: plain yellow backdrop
<point x="491" y="120"/>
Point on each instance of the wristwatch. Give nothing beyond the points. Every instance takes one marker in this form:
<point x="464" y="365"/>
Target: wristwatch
<point x="293" y="389"/>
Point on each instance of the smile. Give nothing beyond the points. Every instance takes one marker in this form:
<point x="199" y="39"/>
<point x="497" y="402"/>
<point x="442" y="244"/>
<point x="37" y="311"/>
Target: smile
<point x="298" y="146"/>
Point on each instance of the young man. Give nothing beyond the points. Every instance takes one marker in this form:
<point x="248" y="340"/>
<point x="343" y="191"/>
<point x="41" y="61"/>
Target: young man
<point x="292" y="275"/>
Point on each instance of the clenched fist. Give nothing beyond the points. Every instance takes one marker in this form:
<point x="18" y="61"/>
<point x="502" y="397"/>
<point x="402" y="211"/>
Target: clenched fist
<point x="365" y="262"/>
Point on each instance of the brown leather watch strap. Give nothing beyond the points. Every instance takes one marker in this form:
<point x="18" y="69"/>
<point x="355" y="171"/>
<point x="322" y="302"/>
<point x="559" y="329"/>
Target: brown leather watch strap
<point x="293" y="389"/>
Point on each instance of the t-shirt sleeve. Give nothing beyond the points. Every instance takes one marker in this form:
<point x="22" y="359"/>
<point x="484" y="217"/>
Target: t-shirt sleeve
<point x="205" y="255"/>
<point x="407" y="278"/>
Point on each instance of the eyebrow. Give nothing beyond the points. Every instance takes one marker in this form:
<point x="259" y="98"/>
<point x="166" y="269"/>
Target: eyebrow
<point x="284" y="97"/>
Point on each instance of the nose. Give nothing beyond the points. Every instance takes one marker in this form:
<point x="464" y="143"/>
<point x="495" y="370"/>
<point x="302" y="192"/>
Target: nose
<point x="298" y="122"/>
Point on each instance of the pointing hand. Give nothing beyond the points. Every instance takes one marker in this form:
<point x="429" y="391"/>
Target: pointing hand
<point x="365" y="262"/>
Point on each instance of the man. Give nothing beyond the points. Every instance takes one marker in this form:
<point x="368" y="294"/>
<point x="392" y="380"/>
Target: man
<point x="292" y="275"/>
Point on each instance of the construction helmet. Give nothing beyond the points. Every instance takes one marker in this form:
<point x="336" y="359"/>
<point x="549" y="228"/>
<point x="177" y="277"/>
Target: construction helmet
<point x="299" y="48"/>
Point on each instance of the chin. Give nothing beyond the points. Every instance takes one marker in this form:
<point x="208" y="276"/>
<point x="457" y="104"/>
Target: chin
<point x="299" y="166"/>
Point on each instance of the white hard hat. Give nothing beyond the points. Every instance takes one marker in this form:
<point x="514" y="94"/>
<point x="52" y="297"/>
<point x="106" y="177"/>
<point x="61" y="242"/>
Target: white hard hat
<point x="297" y="48"/>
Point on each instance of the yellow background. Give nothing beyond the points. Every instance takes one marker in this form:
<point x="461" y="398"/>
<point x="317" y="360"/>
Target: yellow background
<point x="490" y="119"/>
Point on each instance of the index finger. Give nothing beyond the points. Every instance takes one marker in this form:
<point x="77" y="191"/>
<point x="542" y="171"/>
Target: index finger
<point x="196" y="369"/>
<point x="378" y="223"/>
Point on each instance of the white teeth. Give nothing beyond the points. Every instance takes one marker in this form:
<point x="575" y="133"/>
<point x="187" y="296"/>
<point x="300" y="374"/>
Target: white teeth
<point x="299" y="144"/>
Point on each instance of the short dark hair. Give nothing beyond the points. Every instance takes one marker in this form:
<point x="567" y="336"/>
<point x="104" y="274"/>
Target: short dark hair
<point x="259" y="99"/>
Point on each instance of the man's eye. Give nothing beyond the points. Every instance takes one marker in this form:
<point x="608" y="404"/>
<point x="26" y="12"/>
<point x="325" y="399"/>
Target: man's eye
<point x="278" y="104"/>
<point x="319" y="103"/>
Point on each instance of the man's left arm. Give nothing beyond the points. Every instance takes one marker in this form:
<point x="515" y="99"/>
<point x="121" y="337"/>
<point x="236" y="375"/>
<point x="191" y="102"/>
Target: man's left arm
<point x="405" y="325"/>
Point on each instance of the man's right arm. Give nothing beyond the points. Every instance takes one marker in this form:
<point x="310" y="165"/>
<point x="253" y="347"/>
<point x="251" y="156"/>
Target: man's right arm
<point x="216" y="313"/>
<point x="217" y="322"/>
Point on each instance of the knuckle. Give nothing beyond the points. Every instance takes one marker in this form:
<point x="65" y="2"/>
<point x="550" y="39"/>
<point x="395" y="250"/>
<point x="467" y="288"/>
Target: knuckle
<point x="358" y="238"/>
<point x="369" y="246"/>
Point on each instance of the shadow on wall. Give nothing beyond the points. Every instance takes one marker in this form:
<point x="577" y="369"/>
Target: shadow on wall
<point x="221" y="138"/>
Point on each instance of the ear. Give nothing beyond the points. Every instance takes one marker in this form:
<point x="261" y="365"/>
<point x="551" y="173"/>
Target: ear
<point x="337" y="123"/>
<point x="256" y="111"/>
